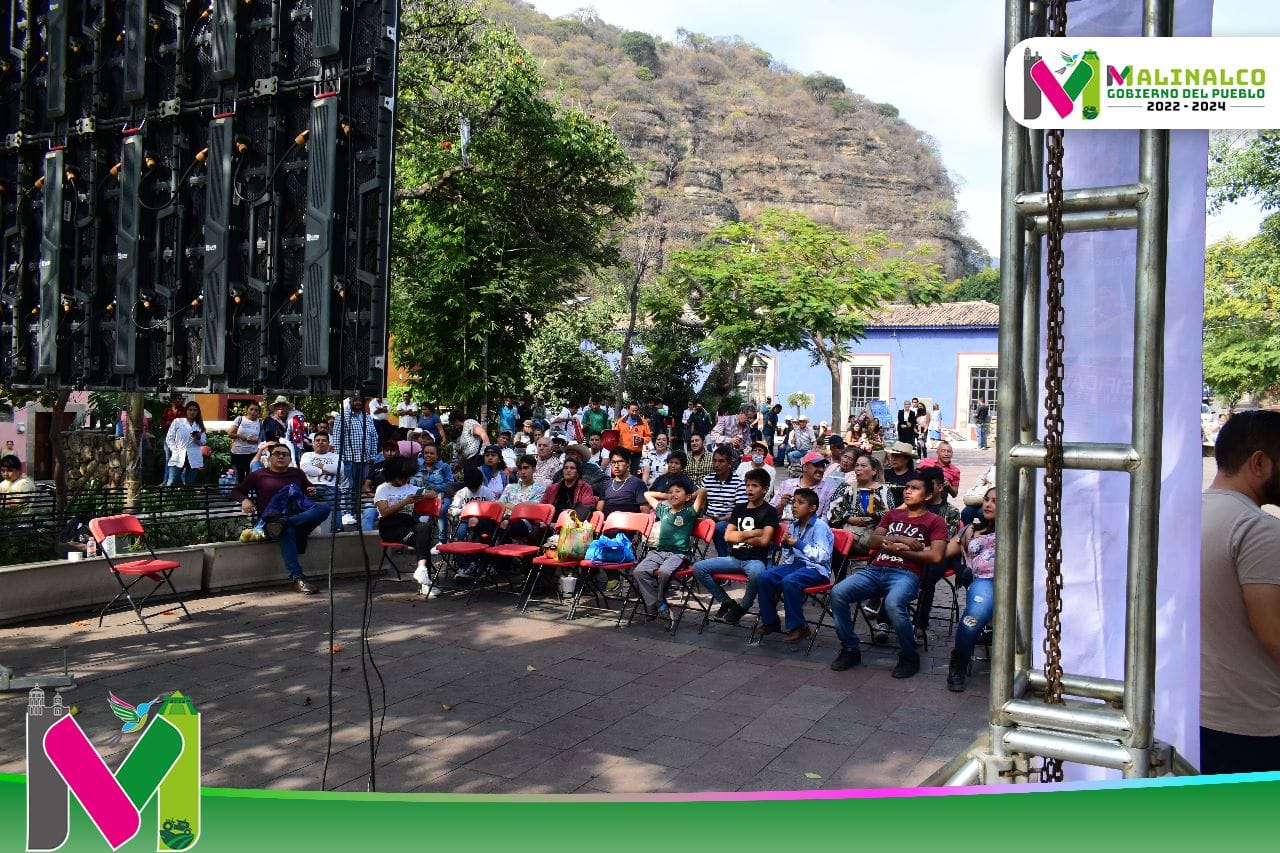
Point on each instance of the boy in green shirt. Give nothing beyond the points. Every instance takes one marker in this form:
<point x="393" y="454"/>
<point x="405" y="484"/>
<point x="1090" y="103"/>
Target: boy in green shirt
<point x="673" y="535"/>
<point x="595" y="420"/>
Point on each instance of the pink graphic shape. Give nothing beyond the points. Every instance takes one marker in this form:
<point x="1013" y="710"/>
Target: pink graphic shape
<point x="1115" y="75"/>
<point x="87" y="776"/>
<point x="1052" y="89"/>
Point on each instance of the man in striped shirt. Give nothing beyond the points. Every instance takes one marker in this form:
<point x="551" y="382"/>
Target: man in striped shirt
<point x="720" y="491"/>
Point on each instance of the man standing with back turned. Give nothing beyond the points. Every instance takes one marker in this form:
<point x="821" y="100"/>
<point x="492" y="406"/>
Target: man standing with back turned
<point x="1240" y="600"/>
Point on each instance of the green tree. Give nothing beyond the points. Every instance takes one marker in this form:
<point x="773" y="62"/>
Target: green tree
<point x="822" y="86"/>
<point x="494" y="225"/>
<point x="983" y="285"/>
<point x="787" y="282"/>
<point x="799" y="400"/>
<point x="1245" y="168"/>
<point x="641" y="49"/>
<point x="1242" y="314"/>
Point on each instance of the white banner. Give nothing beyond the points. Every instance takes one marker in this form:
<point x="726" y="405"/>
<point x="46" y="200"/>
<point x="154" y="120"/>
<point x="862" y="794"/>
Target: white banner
<point x="1136" y="83"/>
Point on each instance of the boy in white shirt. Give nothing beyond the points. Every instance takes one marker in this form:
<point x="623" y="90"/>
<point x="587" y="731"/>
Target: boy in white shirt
<point x="320" y="465"/>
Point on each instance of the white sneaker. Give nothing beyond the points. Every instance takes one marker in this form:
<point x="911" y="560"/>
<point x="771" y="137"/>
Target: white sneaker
<point x="435" y="549"/>
<point x="348" y="520"/>
<point x="431" y="591"/>
<point x="423" y="576"/>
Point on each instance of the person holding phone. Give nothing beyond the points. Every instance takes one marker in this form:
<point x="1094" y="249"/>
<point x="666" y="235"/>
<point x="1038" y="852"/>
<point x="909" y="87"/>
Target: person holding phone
<point x="185" y="447"/>
<point x="394" y="500"/>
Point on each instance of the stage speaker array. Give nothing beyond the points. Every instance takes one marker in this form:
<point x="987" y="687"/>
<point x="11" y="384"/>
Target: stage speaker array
<point x="196" y="195"/>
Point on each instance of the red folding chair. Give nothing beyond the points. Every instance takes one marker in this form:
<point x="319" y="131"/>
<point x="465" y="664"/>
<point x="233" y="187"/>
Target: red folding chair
<point x="775" y="548"/>
<point x="637" y="526"/>
<point x="153" y="568"/>
<point x="426" y="507"/>
<point x="538" y="565"/>
<point x="477" y="540"/>
<point x="821" y="593"/>
<point x="537" y="514"/>
<point x="703" y="532"/>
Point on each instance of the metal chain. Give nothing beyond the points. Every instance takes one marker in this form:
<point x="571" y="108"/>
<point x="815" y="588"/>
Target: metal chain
<point x="1051" y="771"/>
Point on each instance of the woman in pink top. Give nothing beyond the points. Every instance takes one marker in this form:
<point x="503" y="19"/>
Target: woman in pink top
<point x="977" y="543"/>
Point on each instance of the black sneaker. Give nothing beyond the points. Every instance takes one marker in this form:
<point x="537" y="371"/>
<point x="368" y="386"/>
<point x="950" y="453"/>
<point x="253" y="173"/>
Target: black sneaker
<point x="725" y="608"/>
<point x="907" y="666"/>
<point x="847" y="659"/>
<point x="880" y="633"/>
<point x="957" y="672"/>
<point x="736" y="612"/>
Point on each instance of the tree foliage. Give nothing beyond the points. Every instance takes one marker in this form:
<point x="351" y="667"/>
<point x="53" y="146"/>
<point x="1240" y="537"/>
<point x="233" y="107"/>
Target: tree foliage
<point x="788" y="283"/>
<point x="1242" y="314"/>
<point x="1248" y="168"/>
<point x="981" y="286"/>
<point x="823" y="86"/>
<point x="492" y="232"/>
<point x="641" y="49"/>
<point x="799" y="400"/>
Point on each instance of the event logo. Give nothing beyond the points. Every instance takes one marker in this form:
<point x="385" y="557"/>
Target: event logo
<point x="163" y="764"/>
<point x="1079" y="79"/>
<point x="1143" y="83"/>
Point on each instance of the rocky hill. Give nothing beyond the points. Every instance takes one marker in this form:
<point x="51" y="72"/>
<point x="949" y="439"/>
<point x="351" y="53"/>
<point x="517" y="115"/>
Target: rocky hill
<point x="723" y="131"/>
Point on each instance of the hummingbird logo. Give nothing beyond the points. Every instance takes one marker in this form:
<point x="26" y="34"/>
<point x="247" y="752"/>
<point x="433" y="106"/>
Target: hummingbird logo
<point x="134" y="719"/>
<point x="1069" y="59"/>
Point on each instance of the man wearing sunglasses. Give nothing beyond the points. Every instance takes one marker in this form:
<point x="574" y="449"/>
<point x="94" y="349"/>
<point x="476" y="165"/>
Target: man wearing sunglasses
<point x="290" y="530"/>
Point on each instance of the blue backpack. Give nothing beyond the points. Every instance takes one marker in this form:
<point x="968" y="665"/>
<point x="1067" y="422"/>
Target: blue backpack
<point x="611" y="549"/>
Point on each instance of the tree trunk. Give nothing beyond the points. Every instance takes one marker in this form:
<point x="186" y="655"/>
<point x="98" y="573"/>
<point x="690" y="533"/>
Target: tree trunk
<point x="133" y="451"/>
<point x="837" y="417"/>
<point x="718" y="386"/>
<point x="59" y="458"/>
<point x="650" y="251"/>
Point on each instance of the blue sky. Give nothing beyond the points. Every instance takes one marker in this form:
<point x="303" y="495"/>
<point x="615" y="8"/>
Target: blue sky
<point x="890" y="51"/>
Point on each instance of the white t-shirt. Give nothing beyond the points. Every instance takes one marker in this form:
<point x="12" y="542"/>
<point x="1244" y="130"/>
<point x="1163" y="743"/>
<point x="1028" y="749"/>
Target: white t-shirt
<point x="379" y="403"/>
<point x="394" y="494"/>
<point x="248" y="435"/>
<point x="565" y="427"/>
<point x="321" y="469"/>
<point x="408" y="414"/>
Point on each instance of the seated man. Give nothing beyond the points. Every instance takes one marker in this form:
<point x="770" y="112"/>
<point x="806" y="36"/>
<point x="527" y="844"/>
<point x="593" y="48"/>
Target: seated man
<point x="806" y="562"/>
<point x="951" y="474"/>
<point x="290" y="529"/>
<point x="674" y="471"/>
<point x="749" y="535"/>
<point x="937" y="505"/>
<point x="909" y="538"/>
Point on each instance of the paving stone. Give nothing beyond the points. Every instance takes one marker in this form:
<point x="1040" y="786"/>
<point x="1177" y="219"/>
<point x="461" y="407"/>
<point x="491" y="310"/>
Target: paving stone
<point x="811" y="756"/>
<point x="513" y="758"/>
<point x="775" y="729"/>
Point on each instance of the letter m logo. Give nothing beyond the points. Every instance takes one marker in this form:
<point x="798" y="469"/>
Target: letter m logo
<point x="163" y="764"/>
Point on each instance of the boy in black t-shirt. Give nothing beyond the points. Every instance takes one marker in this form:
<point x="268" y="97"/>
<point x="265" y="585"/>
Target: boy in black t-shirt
<point x="749" y="536"/>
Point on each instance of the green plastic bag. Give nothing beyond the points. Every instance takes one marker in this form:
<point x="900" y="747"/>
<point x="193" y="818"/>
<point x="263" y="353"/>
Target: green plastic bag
<point x="573" y="539"/>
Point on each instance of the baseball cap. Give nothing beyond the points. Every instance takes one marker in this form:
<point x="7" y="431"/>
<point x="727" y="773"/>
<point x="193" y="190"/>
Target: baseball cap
<point x="813" y="457"/>
<point x="493" y="448"/>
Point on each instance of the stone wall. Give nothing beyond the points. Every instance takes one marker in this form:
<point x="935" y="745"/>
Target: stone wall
<point x="93" y="456"/>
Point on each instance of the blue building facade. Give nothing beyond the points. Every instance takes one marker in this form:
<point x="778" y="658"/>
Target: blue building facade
<point x="941" y="353"/>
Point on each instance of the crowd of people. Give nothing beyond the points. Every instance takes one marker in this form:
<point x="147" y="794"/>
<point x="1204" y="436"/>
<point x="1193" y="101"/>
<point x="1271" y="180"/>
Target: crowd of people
<point x="748" y="470"/>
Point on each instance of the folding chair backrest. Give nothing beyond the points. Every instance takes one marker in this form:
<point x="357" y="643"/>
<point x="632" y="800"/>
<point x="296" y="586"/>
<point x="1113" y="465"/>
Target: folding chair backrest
<point x="115" y="525"/>
<point x="474" y="510"/>
<point x="631" y="523"/>
<point x="535" y="512"/>
<point x="704" y="530"/>
<point x="844" y="542"/>
<point x="427" y="506"/>
<point x="779" y="533"/>
<point x="597" y="521"/>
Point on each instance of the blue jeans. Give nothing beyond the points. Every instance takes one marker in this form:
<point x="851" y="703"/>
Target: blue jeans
<point x="369" y="521"/>
<point x="979" y="603"/>
<point x="982" y="436"/>
<point x="717" y="539"/>
<point x="751" y="568"/>
<point x="294" y="527"/>
<point x="792" y="578"/>
<point x="173" y="475"/>
<point x="349" y="498"/>
<point x="898" y="588"/>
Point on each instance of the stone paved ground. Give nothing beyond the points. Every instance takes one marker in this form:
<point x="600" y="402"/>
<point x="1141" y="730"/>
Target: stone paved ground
<point x="481" y="699"/>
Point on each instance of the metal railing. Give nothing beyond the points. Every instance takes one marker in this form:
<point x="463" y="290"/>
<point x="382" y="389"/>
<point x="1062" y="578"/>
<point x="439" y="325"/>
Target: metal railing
<point x="32" y="529"/>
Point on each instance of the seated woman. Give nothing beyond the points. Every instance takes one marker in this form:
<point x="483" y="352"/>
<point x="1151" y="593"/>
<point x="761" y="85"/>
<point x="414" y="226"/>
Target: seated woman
<point x="977" y="543"/>
<point x="572" y="492"/>
<point x="858" y="507"/>
<point x="13" y="483"/>
<point x="394" y="499"/>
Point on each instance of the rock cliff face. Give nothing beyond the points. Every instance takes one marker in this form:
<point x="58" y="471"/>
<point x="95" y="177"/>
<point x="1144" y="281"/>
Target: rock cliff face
<point x="721" y="132"/>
